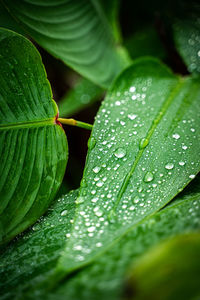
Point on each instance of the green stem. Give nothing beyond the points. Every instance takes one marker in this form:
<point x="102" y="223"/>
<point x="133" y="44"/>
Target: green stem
<point x="73" y="122"/>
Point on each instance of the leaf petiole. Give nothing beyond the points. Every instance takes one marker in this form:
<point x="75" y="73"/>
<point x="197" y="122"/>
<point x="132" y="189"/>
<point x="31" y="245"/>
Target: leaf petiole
<point x="73" y="122"/>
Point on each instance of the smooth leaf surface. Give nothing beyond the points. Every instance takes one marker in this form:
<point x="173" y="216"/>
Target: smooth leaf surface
<point x="77" y="32"/>
<point x="83" y="94"/>
<point x="175" y="264"/>
<point x="186" y="30"/>
<point x="33" y="147"/>
<point x="35" y="255"/>
<point x="7" y="21"/>
<point x="142" y="152"/>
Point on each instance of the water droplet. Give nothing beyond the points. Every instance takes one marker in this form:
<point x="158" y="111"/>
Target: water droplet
<point x="64" y="213"/>
<point x="181" y="163"/>
<point x="99" y="244"/>
<point x="83" y="183"/>
<point x="79" y="200"/>
<point x="192" y="176"/>
<point x="117" y="103"/>
<point x="91" y="229"/>
<point x="169" y="166"/>
<point x="96" y="169"/>
<point x="132" y="89"/>
<point x="176" y="136"/>
<point x="91" y="143"/>
<point x="120" y="152"/>
<point x="132" y="116"/>
<point x="148" y="177"/>
<point x="143" y="143"/>
<point x="136" y="199"/>
<point x="100" y="183"/>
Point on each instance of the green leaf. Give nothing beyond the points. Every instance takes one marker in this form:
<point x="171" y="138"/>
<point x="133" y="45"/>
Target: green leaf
<point x="186" y="30"/>
<point x="35" y="255"/>
<point x="83" y="94"/>
<point x="33" y="147"/>
<point x="7" y="21"/>
<point x="77" y="32"/>
<point x="142" y="152"/>
<point x="173" y="264"/>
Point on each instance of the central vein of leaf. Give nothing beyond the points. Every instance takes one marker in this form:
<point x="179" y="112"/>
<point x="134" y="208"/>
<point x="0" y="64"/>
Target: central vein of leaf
<point x="155" y="123"/>
<point x="35" y="123"/>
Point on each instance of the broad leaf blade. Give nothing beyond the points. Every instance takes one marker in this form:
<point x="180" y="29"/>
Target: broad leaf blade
<point x="39" y="249"/>
<point x="35" y="255"/>
<point x="76" y="32"/>
<point x="143" y="151"/>
<point x="33" y="147"/>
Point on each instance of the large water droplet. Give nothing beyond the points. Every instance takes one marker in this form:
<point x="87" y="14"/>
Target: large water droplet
<point x="91" y="143"/>
<point x="120" y="152"/>
<point x="148" y="177"/>
<point x="79" y="200"/>
<point x="143" y="143"/>
<point x="169" y="166"/>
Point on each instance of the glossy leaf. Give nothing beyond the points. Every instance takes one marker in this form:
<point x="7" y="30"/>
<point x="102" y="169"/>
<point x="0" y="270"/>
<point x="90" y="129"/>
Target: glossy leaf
<point x="77" y="32"/>
<point x="186" y="29"/>
<point x="173" y="264"/>
<point x="35" y="255"/>
<point x="7" y="21"/>
<point x="142" y="152"/>
<point x="83" y="94"/>
<point x="33" y="147"/>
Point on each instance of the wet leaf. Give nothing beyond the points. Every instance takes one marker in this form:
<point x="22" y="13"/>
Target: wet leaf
<point x="33" y="147"/>
<point x="142" y="152"/>
<point x="77" y="32"/>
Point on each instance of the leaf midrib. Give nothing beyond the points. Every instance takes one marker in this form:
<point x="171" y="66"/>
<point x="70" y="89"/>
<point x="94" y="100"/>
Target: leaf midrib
<point x="37" y="123"/>
<point x="155" y="123"/>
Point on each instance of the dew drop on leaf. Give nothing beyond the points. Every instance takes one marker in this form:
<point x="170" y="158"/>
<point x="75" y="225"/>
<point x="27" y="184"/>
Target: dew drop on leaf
<point x="91" y="143"/>
<point x="64" y="213"/>
<point x="143" y="143"/>
<point x="169" y="166"/>
<point x="120" y="152"/>
<point x="148" y="177"/>
<point x="96" y="169"/>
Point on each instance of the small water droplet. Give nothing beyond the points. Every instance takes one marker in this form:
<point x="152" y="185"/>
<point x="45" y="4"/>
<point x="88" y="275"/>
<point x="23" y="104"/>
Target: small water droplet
<point x="91" y="143"/>
<point x="64" y="213"/>
<point x="148" y="177"/>
<point x="91" y="229"/>
<point x="176" y="136"/>
<point x="83" y="183"/>
<point x="192" y="176"/>
<point x="181" y="163"/>
<point x="132" y="116"/>
<point x="120" y="152"/>
<point x="169" y="166"/>
<point x="100" y="183"/>
<point x="136" y="199"/>
<point x="132" y="89"/>
<point x="79" y="200"/>
<point x="143" y="143"/>
<point x="96" y="169"/>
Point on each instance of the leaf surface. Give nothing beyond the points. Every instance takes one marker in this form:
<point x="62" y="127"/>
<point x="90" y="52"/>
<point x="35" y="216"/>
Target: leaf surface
<point x="186" y="31"/>
<point x="142" y="152"/>
<point x="77" y="32"/>
<point x="175" y="264"/>
<point x="33" y="147"/>
<point x="35" y="255"/>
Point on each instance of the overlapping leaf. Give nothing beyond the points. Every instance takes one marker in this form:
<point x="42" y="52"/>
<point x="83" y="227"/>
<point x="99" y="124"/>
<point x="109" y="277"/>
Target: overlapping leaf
<point x="77" y="32"/>
<point x="142" y="152"/>
<point x="35" y="255"/>
<point x="175" y="264"/>
<point x="33" y="147"/>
